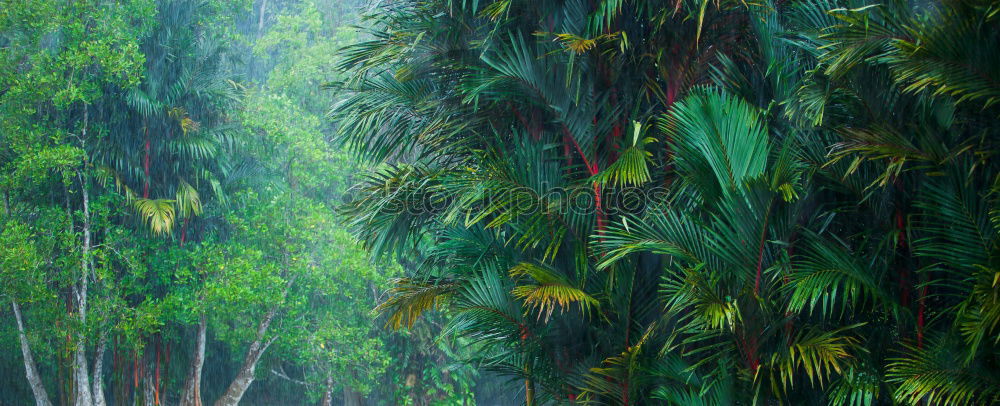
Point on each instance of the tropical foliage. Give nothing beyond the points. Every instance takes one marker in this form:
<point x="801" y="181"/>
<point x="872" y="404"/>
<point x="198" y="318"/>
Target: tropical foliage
<point x="168" y="232"/>
<point x="420" y="202"/>
<point x="690" y="202"/>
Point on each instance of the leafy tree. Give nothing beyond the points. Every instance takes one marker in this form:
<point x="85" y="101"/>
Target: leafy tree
<point x="58" y="57"/>
<point x="171" y="173"/>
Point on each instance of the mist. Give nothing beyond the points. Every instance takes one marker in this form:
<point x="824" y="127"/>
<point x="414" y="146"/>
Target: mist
<point x="170" y="229"/>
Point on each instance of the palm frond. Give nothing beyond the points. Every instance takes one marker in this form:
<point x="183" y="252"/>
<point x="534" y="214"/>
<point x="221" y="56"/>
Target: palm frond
<point x="720" y="141"/>
<point x="820" y="354"/>
<point x="409" y="299"/>
<point x="932" y="375"/>
<point x="830" y="278"/>
<point x="550" y="291"/>
<point x="632" y="166"/>
<point x="187" y="200"/>
<point x="157" y="214"/>
<point x="855" y="387"/>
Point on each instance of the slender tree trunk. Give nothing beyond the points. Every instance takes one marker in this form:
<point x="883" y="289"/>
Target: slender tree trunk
<point x="30" y="369"/>
<point x="148" y="386"/>
<point x="156" y="379"/>
<point x="260" y="18"/>
<point x="246" y="375"/>
<point x="98" y="382"/>
<point x="82" y="395"/>
<point x="328" y="395"/>
<point x="529" y="392"/>
<point x="529" y="385"/>
<point x="192" y="387"/>
<point x="66" y="360"/>
<point x="64" y="384"/>
<point x="81" y="380"/>
<point x="135" y="376"/>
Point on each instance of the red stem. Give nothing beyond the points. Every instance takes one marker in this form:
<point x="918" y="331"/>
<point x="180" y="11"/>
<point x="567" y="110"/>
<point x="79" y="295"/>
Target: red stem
<point x="184" y="234"/>
<point x="535" y="133"/>
<point x="145" y="169"/>
<point x="135" y="370"/>
<point x="920" y="316"/>
<point x="671" y="98"/>
<point x="156" y="383"/>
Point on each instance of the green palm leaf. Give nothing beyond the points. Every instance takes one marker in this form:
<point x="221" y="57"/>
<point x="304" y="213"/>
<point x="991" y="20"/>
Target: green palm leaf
<point x="157" y="214"/>
<point x="720" y="141"/>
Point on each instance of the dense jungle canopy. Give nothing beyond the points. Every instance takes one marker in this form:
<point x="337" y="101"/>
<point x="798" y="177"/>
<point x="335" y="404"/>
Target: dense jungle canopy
<point x="499" y="202"/>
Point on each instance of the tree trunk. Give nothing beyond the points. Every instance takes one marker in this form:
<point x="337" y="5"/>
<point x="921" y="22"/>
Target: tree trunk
<point x="260" y="18"/>
<point x="148" y="390"/>
<point x="98" y="382"/>
<point x="328" y="395"/>
<point x="65" y="383"/>
<point x="81" y="384"/>
<point x="156" y="374"/>
<point x="192" y="386"/>
<point x="81" y="380"/>
<point x="246" y="375"/>
<point x="30" y="370"/>
<point x="529" y="392"/>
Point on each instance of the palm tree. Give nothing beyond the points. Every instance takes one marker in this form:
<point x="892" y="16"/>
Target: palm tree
<point x="482" y="95"/>
<point x="170" y="145"/>
<point x="782" y="152"/>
